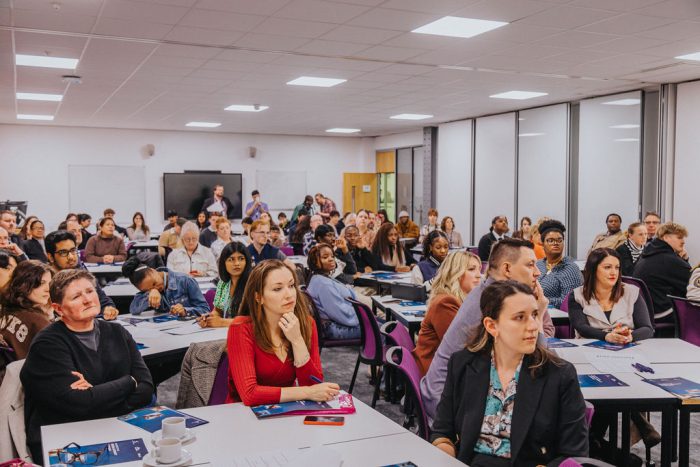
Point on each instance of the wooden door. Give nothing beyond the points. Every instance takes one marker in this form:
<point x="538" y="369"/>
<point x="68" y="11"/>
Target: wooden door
<point x="362" y="188"/>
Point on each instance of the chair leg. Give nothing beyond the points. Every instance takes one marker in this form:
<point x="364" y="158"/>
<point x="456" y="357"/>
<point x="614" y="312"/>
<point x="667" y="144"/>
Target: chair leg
<point x="354" y="374"/>
<point x="375" y="396"/>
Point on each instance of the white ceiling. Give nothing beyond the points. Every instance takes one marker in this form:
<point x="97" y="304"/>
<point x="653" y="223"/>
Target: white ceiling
<point x="159" y="64"/>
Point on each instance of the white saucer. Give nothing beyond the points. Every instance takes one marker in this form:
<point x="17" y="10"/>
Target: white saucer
<point x="189" y="437"/>
<point x="150" y="461"/>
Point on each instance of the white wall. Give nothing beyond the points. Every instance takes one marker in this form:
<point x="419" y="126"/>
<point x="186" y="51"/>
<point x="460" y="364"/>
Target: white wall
<point x="453" y="174"/>
<point x="687" y="166"/>
<point x="399" y="140"/>
<point x="35" y="161"/>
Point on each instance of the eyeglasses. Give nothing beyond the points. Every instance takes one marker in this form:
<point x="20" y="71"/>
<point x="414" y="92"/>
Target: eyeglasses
<point x="66" y="253"/>
<point x="554" y="241"/>
<point x="85" y="458"/>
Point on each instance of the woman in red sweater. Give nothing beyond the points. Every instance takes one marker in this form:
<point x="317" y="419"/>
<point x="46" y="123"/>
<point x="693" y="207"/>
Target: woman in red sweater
<point x="273" y="344"/>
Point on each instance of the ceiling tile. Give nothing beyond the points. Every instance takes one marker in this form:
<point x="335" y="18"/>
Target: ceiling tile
<point x="53" y="21"/>
<point x="568" y="17"/>
<point x="381" y="52"/>
<point x="575" y="39"/>
<point x="679" y="9"/>
<point x="675" y="31"/>
<point x="157" y="13"/>
<point x="131" y="28"/>
<point x="292" y="27"/>
<point x="270" y="42"/>
<point x="442" y="7"/>
<point x="502" y="10"/>
<point x="317" y="10"/>
<point x="250" y="7"/>
<point x="628" y="44"/>
<point x="221" y="20"/>
<point x="617" y="5"/>
<point x="626" y="24"/>
<point x="360" y="35"/>
<point x="214" y="37"/>
<point x="384" y="18"/>
<point x="74" y="7"/>
<point x="4" y="16"/>
<point x="322" y="47"/>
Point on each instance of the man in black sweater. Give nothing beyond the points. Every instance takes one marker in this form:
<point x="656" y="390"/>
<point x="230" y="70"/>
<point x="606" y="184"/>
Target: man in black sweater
<point x="80" y="368"/>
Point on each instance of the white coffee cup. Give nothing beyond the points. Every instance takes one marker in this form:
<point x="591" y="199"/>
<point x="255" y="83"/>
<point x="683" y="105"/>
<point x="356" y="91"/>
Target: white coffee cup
<point x="168" y="450"/>
<point x="174" y="427"/>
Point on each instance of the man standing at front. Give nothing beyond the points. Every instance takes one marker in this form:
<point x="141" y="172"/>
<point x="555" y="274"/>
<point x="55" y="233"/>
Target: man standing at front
<point x="255" y="207"/>
<point x="326" y="204"/>
<point x="226" y="204"/>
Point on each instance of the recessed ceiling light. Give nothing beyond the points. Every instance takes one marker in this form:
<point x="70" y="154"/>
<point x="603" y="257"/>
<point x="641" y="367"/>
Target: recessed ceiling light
<point x="454" y="26"/>
<point x="204" y="124"/>
<point x="315" y="81"/>
<point x="622" y="102"/>
<point x="625" y="126"/>
<point x="693" y="56"/>
<point x="32" y="96"/>
<point x="34" y="117"/>
<point x="530" y="134"/>
<point x="246" y="108"/>
<point x="411" y="116"/>
<point x="627" y="140"/>
<point x="518" y="95"/>
<point x="343" y="130"/>
<point x="46" y="62"/>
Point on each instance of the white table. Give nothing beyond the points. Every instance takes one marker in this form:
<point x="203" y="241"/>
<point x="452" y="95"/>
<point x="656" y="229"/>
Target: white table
<point x="655" y="350"/>
<point x="234" y="430"/>
<point x="403" y="314"/>
<point x="300" y="260"/>
<point x="104" y="269"/>
<point x="123" y="288"/>
<point x="145" y="245"/>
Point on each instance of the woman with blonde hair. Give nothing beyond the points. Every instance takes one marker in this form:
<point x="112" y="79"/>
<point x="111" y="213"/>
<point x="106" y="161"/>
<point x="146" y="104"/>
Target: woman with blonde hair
<point x="536" y="238"/>
<point x="273" y="343"/>
<point x="459" y="273"/>
<point x="631" y="250"/>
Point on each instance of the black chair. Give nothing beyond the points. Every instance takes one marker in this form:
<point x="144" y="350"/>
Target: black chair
<point x="665" y="325"/>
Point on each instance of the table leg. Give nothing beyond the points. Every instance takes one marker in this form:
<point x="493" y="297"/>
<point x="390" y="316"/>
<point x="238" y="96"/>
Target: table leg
<point x="674" y="435"/>
<point x="612" y="435"/>
<point x="684" y="438"/>
<point x="666" y="436"/>
<point x="625" y="441"/>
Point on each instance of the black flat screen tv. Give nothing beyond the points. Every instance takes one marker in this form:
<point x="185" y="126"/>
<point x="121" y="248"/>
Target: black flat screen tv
<point x="186" y="192"/>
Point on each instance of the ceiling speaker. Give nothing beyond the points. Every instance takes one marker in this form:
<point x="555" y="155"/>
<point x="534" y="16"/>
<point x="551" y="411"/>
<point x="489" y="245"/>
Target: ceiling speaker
<point x="252" y="151"/>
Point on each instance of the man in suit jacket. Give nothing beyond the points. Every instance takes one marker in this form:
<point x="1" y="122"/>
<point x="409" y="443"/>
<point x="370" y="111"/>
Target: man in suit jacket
<point x="498" y="230"/>
<point x="227" y="205"/>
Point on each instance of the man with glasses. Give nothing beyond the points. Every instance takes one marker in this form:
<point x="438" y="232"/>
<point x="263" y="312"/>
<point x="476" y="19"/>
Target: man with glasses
<point x="559" y="274"/>
<point x="652" y="220"/>
<point x="62" y="252"/>
<point x="260" y="249"/>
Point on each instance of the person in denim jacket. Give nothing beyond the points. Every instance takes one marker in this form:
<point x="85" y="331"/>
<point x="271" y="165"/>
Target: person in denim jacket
<point x="163" y="291"/>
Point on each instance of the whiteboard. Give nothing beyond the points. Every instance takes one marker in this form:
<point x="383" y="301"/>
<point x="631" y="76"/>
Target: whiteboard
<point x="93" y="188"/>
<point x="281" y="189"/>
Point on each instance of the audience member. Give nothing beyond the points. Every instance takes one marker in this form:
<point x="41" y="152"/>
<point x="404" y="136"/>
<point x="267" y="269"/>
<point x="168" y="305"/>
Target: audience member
<point x="202" y="220"/>
<point x="457" y="276"/>
<point x="34" y="246"/>
<point x="406" y="227"/>
<point x="218" y="203"/>
<point x="138" y="231"/>
<point x="223" y="236"/>
<point x="273" y="346"/>
<point x="266" y="218"/>
<point x="430" y="226"/>
<point x="259" y="248"/>
<point x="306" y="208"/>
<point x="383" y="217"/>
<point x="8" y="221"/>
<point x="105" y="247"/>
<point x="435" y="249"/>
<point x="335" y="222"/>
<point x="454" y="238"/>
<point x="276" y="236"/>
<point x="24" y="231"/>
<point x="309" y="240"/>
<point x="506" y="395"/>
<point x="8" y="263"/>
<point x="652" y="220"/>
<point x="208" y="235"/>
<point x="85" y="220"/>
<point x="362" y="223"/>
<point x="109" y="213"/>
<point x="497" y="231"/>
<point x="337" y="315"/>
<point x="537" y="238"/>
<point x="614" y="237"/>
<point x="246" y="222"/>
<point x="163" y="291"/>
<point x="80" y="368"/>
<point x="390" y="253"/>
<point x="559" y="274"/>
<point x="345" y="269"/>
<point x="631" y="250"/>
<point x="525" y="230"/>
<point x="692" y="293"/>
<point x="365" y="261"/>
<point x="172" y="220"/>
<point x="71" y="216"/>
<point x="9" y="247"/>
<point x="235" y="265"/>
<point x="170" y="238"/>
<point x="74" y="228"/>
<point x="511" y="259"/>
<point x="255" y="207"/>
<point x="62" y="253"/>
<point x="326" y="206"/>
<point x="298" y="231"/>
<point x="283" y="223"/>
<point x="193" y="259"/>
<point x="664" y="267"/>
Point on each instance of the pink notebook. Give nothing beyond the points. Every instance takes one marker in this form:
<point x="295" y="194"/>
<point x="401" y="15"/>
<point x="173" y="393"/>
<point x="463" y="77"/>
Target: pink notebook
<point x="342" y="405"/>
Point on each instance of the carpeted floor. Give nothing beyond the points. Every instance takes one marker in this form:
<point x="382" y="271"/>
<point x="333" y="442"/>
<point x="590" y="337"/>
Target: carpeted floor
<point x="338" y="364"/>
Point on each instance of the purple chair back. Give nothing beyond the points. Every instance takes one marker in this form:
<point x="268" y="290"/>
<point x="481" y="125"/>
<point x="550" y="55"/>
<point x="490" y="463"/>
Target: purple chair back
<point x="287" y="250"/>
<point x="590" y="410"/>
<point x="473" y="249"/>
<point x="219" y="390"/>
<point x="688" y="319"/>
<point x="646" y="295"/>
<point x="370" y="337"/>
<point x="400" y="358"/>
<point x="82" y="255"/>
<point x="209" y="297"/>
<point x="484" y="267"/>
<point x="564" y="331"/>
<point x="396" y="333"/>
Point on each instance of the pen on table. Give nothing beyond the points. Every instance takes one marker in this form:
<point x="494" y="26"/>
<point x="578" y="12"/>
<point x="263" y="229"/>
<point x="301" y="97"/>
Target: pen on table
<point x="201" y="317"/>
<point x="315" y="379"/>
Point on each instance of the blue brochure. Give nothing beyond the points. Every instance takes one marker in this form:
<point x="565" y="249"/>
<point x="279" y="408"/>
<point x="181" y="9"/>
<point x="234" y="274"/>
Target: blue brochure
<point x="111" y="452"/>
<point x="151" y="419"/>
<point x="679" y="387"/>
<point x="554" y="343"/>
<point x="608" y="346"/>
<point x="601" y="380"/>
<point x="411" y="303"/>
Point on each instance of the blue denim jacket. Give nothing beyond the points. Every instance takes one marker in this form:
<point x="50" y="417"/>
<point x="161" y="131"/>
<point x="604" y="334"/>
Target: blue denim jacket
<point x="179" y="288"/>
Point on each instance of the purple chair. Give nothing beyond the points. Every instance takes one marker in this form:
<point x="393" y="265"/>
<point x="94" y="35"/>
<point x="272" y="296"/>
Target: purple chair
<point x="583" y="462"/>
<point x="564" y="331"/>
<point x="396" y="333"/>
<point x="400" y="358"/>
<point x="323" y="340"/>
<point x="688" y="314"/>
<point x="473" y="249"/>
<point x="590" y="410"/>
<point x="484" y="267"/>
<point x="287" y="250"/>
<point x="209" y="297"/>
<point x="219" y="390"/>
<point x="371" y="349"/>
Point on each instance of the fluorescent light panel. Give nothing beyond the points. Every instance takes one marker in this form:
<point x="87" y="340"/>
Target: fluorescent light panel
<point x="518" y="95"/>
<point x="455" y="26"/>
<point x="627" y="140"/>
<point x="34" y="117"/>
<point x="343" y="130"/>
<point x="623" y="102"/>
<point x="694" y="56"/>
<point x="531" y="134"/>
<point x="33" y="96"/>
<point x="246" y="108"/>
<point x="315" y="81"/>
<point x="625" y="126"/>
<point x="411" y="116"/>
<point x="203" y="124"/>
<point x="46" y="62"/>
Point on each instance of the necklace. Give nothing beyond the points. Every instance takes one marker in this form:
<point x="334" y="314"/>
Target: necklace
<point x="551" y="266"/>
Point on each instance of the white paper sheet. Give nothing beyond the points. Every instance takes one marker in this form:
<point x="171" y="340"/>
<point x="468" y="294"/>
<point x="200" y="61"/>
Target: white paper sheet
<point x="614" y="362"/>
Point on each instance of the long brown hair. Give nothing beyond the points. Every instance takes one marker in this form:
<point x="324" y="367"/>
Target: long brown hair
<point x="25" y="278"/>
<point x="492" y="300"/>
<point x="250" y="306"/>
<point x="381" y="246"/>
<point x="589" y="275"/>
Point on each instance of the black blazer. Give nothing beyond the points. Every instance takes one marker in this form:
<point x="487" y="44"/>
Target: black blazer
<point x="32" y="248"/>
<point x="229" y="205"/>
<point x="626" y="262"/>
<point x="485" y="246"/>
<point x="548" y="423"/>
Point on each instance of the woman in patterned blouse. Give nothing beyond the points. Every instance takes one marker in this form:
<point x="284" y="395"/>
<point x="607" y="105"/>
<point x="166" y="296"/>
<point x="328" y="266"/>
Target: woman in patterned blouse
<point x="507" y="400"/>
<point x="234" y="268"/>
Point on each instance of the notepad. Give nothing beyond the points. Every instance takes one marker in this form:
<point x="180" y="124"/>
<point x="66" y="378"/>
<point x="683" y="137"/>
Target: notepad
<point x="608" y="346"/>
<point x="151" y="419"/>
<point x="602" y="380"/>
<point x="679" y="387"/>
<point x="554" y="343"/>
<point x="115" y="452"/>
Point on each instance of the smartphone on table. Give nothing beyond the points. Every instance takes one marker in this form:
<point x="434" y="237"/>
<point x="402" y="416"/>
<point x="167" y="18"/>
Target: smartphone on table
<point x="324" y="420"/>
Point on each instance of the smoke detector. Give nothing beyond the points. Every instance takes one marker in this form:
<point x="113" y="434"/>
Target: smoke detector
<point x="71" y="79"/>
